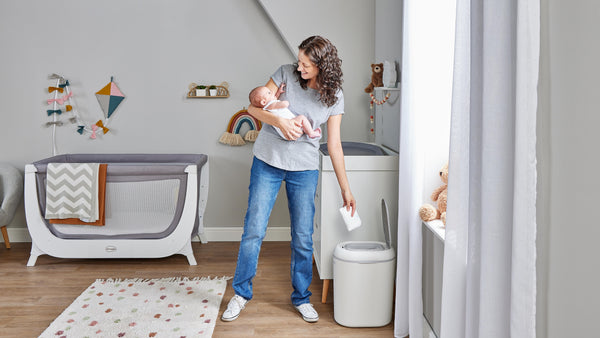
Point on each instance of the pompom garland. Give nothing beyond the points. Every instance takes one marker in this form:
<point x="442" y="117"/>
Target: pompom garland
<point x="371" y="117"/>
<point x="378" y="102"/>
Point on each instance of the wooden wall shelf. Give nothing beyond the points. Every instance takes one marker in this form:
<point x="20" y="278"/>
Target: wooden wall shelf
<point x="222" y="92"/>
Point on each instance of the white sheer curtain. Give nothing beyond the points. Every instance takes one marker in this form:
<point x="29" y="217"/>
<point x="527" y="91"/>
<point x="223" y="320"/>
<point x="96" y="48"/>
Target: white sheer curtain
<point x="427" y="54"/>
<point x="489" y="286"/>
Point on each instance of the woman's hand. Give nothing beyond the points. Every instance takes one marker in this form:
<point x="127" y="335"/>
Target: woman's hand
<point x="349" y="202"/>
<point x="290" y="128"/>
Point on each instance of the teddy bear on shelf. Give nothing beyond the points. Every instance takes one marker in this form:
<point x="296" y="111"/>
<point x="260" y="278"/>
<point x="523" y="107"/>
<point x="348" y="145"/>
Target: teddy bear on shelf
<point x="376" y="77"/>
<point x="440" y="195"/>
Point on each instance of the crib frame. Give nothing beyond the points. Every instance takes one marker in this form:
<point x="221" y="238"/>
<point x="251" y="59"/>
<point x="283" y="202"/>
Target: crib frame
<point x="177" y="242"/>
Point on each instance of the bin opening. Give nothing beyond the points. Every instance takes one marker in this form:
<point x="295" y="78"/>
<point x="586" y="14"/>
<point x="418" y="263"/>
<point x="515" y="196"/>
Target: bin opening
<point x="364" y="246"/>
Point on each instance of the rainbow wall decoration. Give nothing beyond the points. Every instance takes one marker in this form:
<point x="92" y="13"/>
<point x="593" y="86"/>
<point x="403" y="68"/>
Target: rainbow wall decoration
<point x="232" y="135"/>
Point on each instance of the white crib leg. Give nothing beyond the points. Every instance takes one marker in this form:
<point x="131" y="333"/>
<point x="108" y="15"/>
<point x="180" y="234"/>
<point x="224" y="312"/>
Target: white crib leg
<point x="191" y="259"/>
<point x="202" y="238"/>
<point x="35" y="253"/>
<point x="187" y="251"/>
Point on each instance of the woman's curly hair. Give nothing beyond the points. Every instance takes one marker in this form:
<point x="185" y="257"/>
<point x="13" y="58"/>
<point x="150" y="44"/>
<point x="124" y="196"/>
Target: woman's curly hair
<point x="324" y="55"/>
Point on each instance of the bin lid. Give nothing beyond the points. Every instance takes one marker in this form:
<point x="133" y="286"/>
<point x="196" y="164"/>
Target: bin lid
<point x="363" y="252"/>
<point x="386" y="224"/>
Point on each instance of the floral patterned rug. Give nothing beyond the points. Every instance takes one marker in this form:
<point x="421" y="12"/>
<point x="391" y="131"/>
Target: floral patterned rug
<point x="166" y="307"/>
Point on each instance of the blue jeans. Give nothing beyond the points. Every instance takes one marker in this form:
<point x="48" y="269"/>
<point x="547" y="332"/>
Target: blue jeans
<point x="301" y="187"/>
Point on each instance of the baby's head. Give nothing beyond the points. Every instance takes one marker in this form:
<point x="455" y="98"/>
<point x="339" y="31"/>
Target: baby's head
<point x="260" y="96"/>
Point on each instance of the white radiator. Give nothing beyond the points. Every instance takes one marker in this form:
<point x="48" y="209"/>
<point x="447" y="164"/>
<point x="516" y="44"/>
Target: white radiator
<point x="433" y="266"/>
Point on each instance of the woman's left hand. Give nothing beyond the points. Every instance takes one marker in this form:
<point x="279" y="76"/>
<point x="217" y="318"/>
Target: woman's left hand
<point x="349" y="202"/>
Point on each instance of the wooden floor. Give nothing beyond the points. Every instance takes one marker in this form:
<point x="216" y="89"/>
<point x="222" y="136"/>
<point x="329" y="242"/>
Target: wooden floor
<point x="31" y="297"/>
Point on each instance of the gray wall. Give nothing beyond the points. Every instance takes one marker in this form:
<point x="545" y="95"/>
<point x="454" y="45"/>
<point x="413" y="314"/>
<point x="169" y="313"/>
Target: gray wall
<point x="568" y="119"/>
<point x="154" y="49"/>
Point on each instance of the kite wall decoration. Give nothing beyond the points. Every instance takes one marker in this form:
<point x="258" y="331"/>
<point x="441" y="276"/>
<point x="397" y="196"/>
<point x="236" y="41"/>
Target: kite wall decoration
<point x="108" y="97"/>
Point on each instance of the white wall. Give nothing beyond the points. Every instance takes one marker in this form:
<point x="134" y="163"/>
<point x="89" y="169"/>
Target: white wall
<point x="154" y="49"/>
<point x="568" y="121"/>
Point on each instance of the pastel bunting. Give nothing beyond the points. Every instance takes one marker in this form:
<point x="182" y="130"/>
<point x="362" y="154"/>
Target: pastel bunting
<point x="82" y="127"/>
<point x="60" y="100"/>
<point x="54" y="123"/>
<point x="101" y="125"/>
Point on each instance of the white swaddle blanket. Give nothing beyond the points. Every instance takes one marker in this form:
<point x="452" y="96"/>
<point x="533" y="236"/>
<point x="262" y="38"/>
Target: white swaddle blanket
<point x="72" y="191"/>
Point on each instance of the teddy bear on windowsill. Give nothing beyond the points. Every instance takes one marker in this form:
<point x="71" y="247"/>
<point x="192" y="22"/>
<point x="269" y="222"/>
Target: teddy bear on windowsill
<point x="440" y="195"/>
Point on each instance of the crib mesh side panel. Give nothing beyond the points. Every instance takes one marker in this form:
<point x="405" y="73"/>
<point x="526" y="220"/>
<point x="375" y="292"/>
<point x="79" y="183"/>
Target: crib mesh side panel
<point x="136" y="207"/>
<point x="140" y="208"/>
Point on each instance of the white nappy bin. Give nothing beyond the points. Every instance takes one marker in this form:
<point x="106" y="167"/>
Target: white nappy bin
<point x="363" y="280"/>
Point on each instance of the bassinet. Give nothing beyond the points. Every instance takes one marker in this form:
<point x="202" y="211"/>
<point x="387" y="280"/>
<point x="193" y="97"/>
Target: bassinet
<point x="154" y="206"/>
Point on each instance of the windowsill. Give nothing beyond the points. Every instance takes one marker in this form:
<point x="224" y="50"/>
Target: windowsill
<point x="437" y="227"/>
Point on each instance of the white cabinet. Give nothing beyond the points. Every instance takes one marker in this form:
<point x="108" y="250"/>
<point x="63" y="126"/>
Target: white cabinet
<point x="372" y="177"/>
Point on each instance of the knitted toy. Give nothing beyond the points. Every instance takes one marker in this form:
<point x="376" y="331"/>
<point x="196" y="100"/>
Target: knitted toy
<point x="376" y="77"/>
<point x="440" y="195"/>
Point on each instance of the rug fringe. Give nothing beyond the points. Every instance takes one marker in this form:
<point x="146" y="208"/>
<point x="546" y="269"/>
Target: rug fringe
<point x="165" y="279"/>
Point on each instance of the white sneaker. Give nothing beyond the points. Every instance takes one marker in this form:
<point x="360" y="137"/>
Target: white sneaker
<point x="235" y="306"/>
<point x="308" y="312"/>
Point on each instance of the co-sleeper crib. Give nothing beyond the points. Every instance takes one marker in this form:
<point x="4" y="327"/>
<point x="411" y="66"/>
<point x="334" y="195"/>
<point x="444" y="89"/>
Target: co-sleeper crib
<point x="154" y="206"/>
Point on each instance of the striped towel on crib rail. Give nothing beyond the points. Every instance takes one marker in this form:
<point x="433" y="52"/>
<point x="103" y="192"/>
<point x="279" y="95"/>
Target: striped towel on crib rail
<point x="72" y="191"/>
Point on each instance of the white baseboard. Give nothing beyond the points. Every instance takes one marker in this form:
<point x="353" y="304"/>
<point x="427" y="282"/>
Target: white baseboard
<point x="212" y="234"/>
<point x="234" y="234"/>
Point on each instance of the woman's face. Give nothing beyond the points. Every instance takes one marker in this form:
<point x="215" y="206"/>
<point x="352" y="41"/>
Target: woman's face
<point x="308" y="70"/>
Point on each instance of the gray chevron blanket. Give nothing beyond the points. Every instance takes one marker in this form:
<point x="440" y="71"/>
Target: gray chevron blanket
<point x="72" y="191"/>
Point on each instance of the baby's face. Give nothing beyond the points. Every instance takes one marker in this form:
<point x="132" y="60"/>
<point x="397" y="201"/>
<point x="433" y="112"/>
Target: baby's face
<point x="266" y="95"/>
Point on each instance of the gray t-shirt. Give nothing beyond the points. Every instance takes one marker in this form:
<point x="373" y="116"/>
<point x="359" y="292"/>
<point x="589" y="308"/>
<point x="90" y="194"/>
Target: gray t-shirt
<point x="303" y="153"/>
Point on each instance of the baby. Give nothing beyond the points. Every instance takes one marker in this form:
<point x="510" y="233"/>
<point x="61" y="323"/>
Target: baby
<point x="263" y="97"/>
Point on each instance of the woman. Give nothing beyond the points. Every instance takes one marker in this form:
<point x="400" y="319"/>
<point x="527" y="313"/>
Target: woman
<point x="313" y="89"/>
